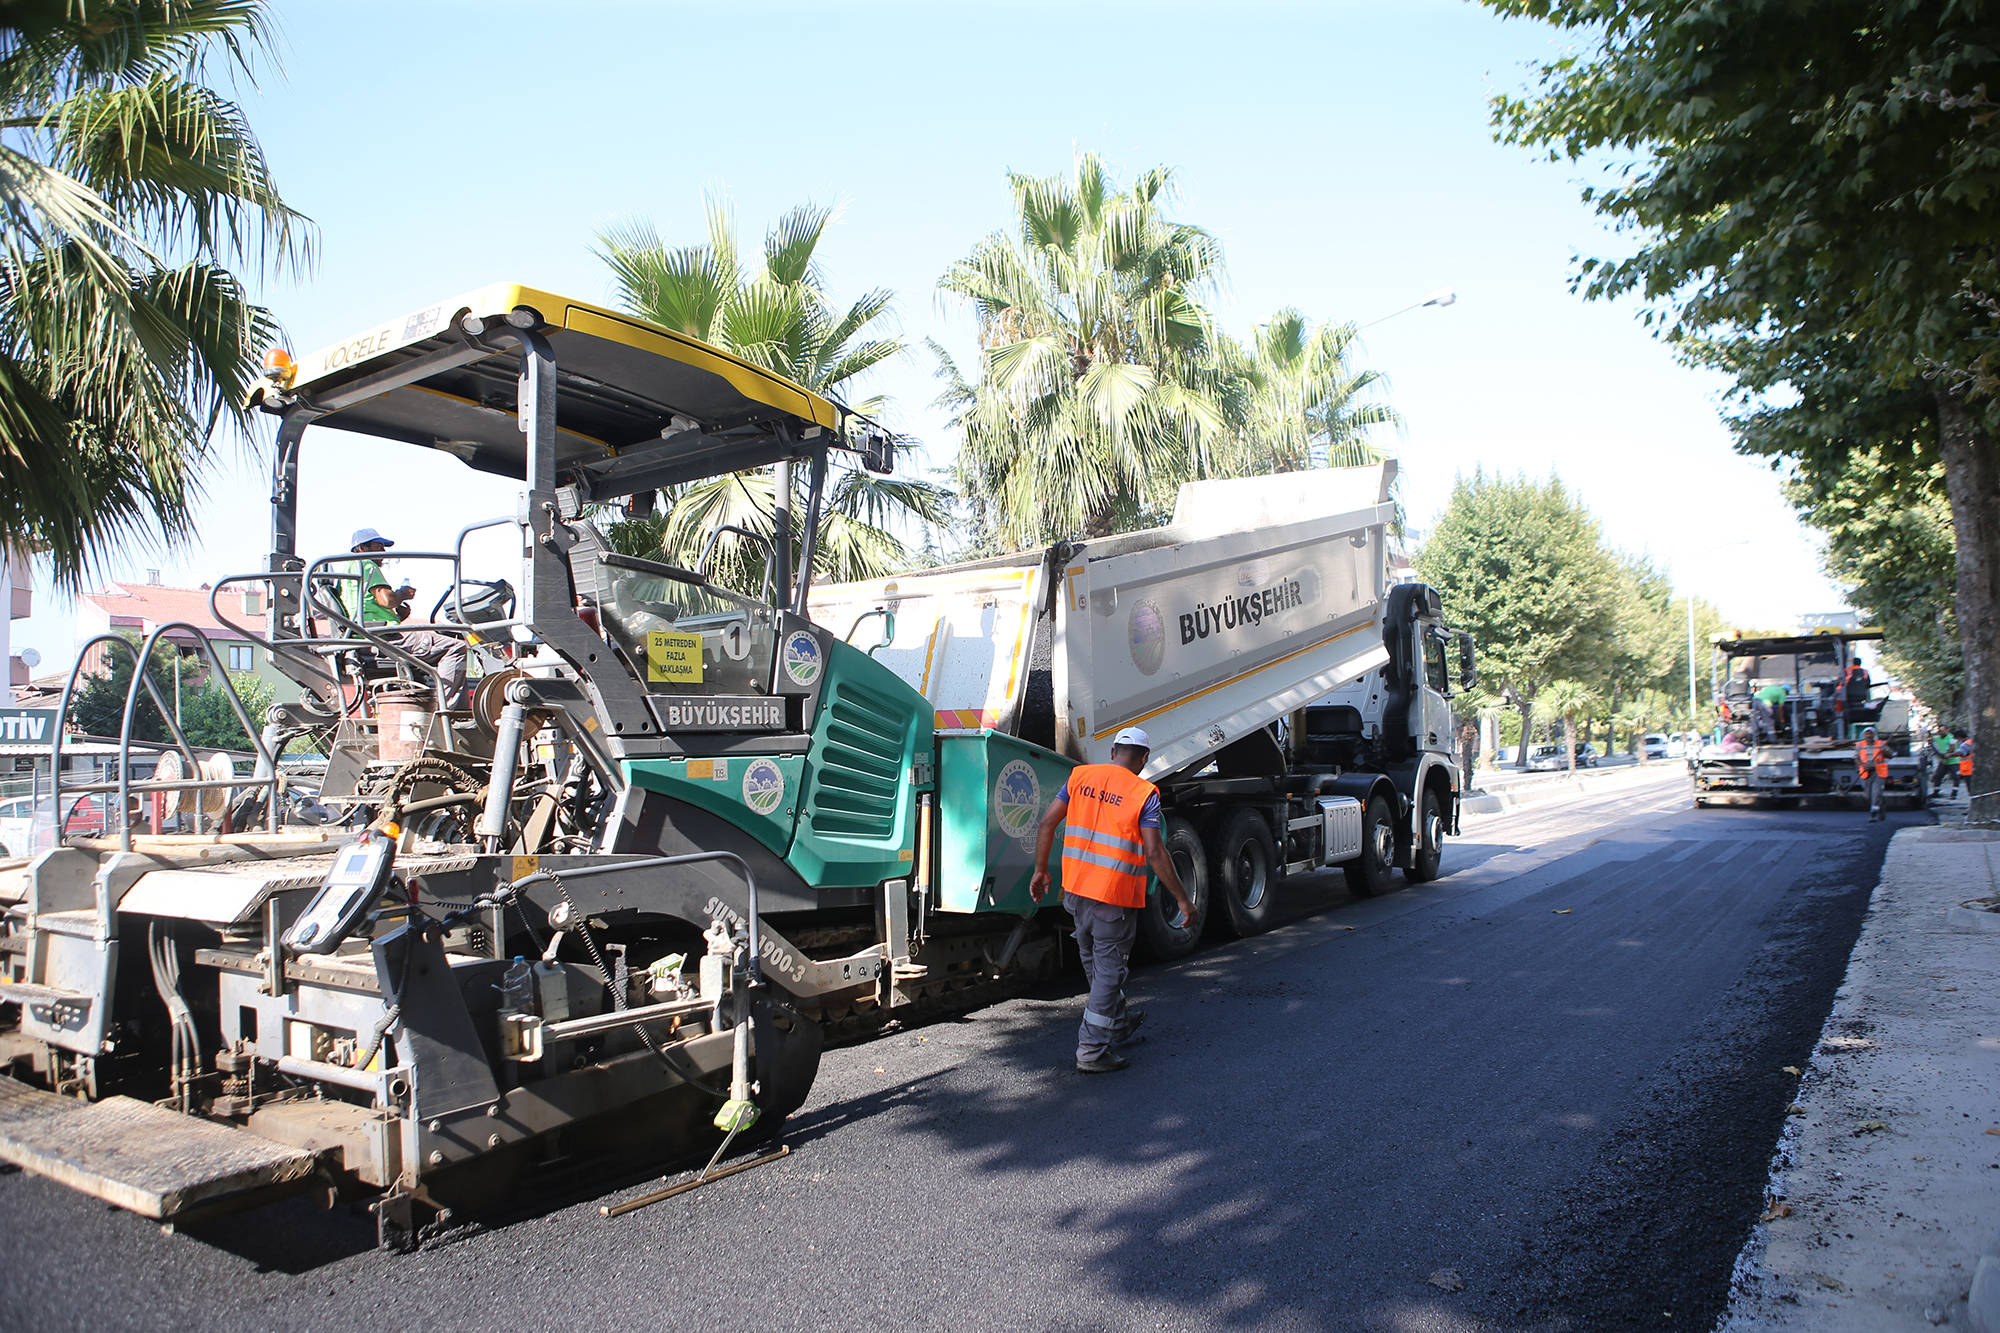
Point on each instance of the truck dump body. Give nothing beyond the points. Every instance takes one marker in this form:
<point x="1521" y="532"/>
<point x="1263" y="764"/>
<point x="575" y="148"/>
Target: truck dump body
<point x="1263" y="595"/>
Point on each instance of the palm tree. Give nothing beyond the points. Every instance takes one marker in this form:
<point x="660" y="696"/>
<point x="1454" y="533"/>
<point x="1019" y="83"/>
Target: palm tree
<point x="1569" y="699"/>
<point x="1305" y="406"/>
<point x="128" y="184"/>
<point x="1098" y="388"/>
<point x="778" y="315"/>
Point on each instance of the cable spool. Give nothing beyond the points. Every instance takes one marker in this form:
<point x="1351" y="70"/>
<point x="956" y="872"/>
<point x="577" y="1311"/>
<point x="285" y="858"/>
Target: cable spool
<point x="213" y="801"/>
<point x="168" y="769"/>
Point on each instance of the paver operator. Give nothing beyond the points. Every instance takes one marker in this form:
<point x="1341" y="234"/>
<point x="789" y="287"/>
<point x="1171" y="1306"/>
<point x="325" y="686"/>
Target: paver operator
<point x="1110" y="818"/>
<point x="1871" y="757"/>
<point x="1764" y="706"/>
<point x="383" y="606"/>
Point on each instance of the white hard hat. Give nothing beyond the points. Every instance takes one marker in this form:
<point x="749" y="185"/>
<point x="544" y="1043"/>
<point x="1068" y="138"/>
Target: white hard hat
<point x="1134" y="737"/>
<point x="366" y="535"/>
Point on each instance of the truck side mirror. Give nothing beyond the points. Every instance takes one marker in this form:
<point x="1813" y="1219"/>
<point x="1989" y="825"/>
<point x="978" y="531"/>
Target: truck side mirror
<point x="1468" y="664"/>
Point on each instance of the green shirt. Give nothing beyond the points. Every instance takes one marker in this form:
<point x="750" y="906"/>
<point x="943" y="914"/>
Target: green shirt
<point x="1946" y="747"/>
<point x="372" y="578"/>
<point x="1772" y="694"/>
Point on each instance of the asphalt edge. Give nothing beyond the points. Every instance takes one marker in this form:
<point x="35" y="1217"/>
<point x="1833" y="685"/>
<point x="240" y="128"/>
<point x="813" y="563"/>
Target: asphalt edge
<point x="1981" y="1302"/>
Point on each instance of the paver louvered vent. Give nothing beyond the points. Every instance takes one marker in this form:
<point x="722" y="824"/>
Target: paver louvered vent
<point x="854" y="794"/>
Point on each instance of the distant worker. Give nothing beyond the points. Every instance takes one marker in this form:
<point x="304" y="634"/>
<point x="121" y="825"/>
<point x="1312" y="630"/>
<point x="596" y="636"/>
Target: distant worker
<point x="1854" y="687"/>
<point x="382" y="606"/>
<point x="1764" y="706"/>
<point x="1964" y="773"/>
<point x="1871" y="758"/>
<point x="1110" y="818"/>
<point x="1945" y="744"/>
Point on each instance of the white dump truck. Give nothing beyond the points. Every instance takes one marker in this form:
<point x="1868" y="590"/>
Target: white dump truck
<point x="1297" y="705"/>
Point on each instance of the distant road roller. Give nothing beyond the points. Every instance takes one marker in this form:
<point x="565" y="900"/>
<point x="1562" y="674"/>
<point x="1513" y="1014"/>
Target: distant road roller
<point x="611" y="905"/>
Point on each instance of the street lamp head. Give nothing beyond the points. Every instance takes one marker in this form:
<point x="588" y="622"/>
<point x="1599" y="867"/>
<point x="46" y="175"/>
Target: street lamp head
<point x="1441" y="297"/>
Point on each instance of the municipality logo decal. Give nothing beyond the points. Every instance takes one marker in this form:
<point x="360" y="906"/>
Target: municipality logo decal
<point x="1017" y="799"/>
<point x="802" y="658"/>
<point x="763" y="786"/>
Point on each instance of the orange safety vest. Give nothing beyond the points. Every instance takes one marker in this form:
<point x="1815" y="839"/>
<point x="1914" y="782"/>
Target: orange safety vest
<point x="1872" y="758"/>
<point x="1965" y="759"/>
<point x="1104" y="856"/>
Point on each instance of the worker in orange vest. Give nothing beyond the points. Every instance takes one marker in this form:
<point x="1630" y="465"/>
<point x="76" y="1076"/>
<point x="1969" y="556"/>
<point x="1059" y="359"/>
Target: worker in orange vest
<point x="1871" y="757"/>
<point x="1111" y="819"/>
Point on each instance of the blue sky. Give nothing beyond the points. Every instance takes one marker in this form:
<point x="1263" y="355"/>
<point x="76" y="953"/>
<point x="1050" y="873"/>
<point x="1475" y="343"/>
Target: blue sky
<point x="1341" y="151"/>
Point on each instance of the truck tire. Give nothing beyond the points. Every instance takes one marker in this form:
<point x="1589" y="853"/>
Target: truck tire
<point x="1243" y="873"/>
<point x="1423" y="866"/>
<point x="1372" y="874"/>
<point x="1160" y="938"/>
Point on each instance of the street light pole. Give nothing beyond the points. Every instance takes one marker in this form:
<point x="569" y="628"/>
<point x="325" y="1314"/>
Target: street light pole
<point x="1689" y="593"/>
<point x="1443" y="296"/>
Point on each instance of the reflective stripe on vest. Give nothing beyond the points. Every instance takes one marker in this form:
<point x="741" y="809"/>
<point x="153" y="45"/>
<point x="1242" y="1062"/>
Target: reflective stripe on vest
<point x="1872" y="758"/>
<point x="1104" y="856"/>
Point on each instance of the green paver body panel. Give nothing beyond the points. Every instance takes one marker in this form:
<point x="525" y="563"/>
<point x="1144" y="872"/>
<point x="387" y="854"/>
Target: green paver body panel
<point x="992" y="790"/>
<point x="727" y="786"/>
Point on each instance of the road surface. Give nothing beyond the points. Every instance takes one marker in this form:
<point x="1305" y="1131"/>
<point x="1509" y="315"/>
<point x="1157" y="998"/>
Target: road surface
<point x="1538" y="1094"/>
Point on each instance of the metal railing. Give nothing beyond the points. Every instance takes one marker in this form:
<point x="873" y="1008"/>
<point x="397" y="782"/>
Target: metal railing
<point x="267" y="771"/>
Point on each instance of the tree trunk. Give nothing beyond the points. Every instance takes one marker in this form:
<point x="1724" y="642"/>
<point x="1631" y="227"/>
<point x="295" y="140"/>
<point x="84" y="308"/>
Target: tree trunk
<point x="1569" y="742"/>
<point x="1972" y="479"/>
<point x="1527" y="706"/>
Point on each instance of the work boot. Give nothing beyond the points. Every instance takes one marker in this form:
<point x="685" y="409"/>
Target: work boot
<point x="1107" y="1063"/>
<point x="1134" y="1020"/>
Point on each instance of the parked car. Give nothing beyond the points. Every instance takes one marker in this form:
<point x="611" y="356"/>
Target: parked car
<point x="26" y="824"/>
<point x="1655" y="746"/>
<point x="1552" y="758"/>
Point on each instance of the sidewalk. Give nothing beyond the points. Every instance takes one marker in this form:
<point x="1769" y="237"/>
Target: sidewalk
<point x="1885" y="1190"/>
<point x="1504" y="791"/>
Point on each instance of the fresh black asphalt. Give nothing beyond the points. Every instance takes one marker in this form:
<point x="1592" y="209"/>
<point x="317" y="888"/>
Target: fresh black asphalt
<point x="1537" y="1095"/>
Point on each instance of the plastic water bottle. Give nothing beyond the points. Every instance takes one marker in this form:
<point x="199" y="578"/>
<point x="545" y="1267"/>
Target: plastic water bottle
<point x="518" y="992"/>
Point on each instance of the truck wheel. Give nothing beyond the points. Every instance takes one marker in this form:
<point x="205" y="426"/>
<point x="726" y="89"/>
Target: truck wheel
<point x="1370" y="874"/>
<point x="1423" y="866"/>
<point x="1245" y="874"/>
<point x="1163" y="934"/>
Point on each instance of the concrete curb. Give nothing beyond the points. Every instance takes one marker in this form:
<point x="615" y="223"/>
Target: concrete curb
<point x="1496" y="802"/>
<point x="1883" y="1208"/>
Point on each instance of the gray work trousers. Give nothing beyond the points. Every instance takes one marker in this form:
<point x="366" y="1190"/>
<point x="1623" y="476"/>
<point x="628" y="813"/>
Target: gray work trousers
<point x="1763" y="721"/>
<point x="1104" y="936"/>
<point x="446" y="652"/>
<point x="1873" y="786"/>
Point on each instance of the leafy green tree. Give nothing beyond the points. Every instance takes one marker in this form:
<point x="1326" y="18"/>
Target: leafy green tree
<point x="778" y="314"/>
<point x="1813" y="182"/>
<point x="1864" y="469"/>
<point x="97" y="708"/>
<point x="129" y="185"/>
<point x="1890" y="544"/>
<point x="1521" y="564"/>
<point x="1099" y="388"/>
<point x="207" y="720"/>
